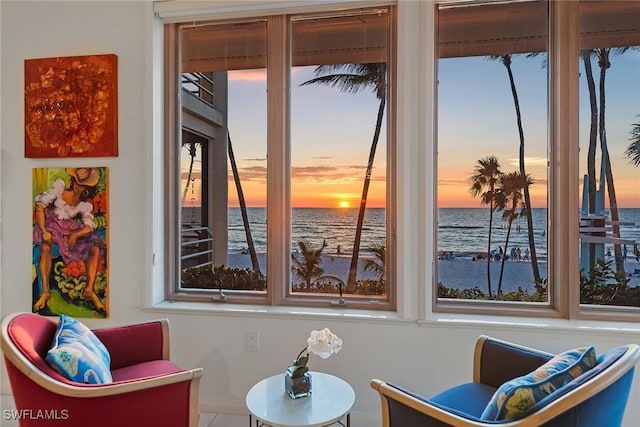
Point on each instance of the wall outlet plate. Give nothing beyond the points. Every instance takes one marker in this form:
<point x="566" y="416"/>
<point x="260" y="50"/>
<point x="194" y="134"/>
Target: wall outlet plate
<point x="253" y="341"/>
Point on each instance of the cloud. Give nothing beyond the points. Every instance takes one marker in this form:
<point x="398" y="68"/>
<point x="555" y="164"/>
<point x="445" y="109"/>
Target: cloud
<point x="322" y="174"/>
<point x="454" y="182"/>
<point x="247" y="75"/>
<point x="315" y="174"/>
<point x="529" y="161"/>
<point x="252" y="173"/>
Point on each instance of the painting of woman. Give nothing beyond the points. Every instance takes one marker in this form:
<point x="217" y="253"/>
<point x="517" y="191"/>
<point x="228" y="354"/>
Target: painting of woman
<point x="69" y="237"/>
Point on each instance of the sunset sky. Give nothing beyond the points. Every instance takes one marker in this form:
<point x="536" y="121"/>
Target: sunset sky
<point x="331" y="132"/>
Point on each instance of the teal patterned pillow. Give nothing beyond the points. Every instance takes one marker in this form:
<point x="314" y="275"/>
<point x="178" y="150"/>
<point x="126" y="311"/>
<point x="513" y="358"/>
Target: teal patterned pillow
<point x="518" y="395"/>
<point x="78" y="354"/>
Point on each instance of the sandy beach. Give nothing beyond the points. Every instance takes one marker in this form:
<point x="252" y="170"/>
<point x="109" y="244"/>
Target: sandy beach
<point x="461" y="273"/>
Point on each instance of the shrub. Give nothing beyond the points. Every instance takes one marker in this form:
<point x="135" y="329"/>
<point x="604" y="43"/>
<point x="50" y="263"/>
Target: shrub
<point x="222" y="277"/>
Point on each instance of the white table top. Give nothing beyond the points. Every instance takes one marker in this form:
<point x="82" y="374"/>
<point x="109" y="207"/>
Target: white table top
<point x="331" y="399"/>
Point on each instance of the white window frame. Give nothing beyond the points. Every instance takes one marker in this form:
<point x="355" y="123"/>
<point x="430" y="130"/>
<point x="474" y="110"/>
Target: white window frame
<point x="563" y="191"/>
<point x="278" y="169"/>
<point x="416" y="161"/>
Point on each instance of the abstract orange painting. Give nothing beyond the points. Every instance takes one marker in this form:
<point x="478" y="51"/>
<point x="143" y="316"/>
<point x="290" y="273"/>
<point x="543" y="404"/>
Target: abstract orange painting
<point x="71" y="106"/>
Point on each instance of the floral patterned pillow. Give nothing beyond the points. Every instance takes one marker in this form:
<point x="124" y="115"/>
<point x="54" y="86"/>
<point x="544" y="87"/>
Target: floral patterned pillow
<point x="518" y="395"/>
<point x="78" y="354"/>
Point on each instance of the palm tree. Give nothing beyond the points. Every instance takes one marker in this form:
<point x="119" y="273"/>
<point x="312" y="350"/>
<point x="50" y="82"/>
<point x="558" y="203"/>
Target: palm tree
<point x="308" y="266"/>
<point x="593" y="142"/>
<point x="352" y="78"/>
<point x="243" y="207"/>
<point x="605" y="64"/>
<point x="483" y="183"/>
<point x="633" y="151"/>
<point x="192" y="147"/>
<point x="506" y="61"/>
<point x="377" y="264"/>
<point x="509" y="200"/>
<point x="593" y="131"/>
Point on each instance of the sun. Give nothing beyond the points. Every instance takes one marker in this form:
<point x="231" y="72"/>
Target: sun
<point x="343" y="204"/>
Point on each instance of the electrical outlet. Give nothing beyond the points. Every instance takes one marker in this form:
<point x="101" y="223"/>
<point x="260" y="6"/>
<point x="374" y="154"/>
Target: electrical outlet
<point x="253" y="341"/>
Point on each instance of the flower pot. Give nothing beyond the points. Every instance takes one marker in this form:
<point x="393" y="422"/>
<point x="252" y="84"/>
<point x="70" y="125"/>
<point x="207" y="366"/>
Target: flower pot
<point x="297" y="386"/>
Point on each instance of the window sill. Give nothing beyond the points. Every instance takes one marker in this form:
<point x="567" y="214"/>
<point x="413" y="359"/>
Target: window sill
<point x="532" y="324"/>
<point x="245" y="310"/>
<point x="480" y="322"/>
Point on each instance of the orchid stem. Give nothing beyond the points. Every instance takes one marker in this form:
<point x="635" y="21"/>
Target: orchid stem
<point x="300" y="354"/>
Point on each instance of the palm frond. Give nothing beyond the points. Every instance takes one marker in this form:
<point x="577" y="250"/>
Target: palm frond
<point x="352" y="78"/>
<point x="633" y="150"/>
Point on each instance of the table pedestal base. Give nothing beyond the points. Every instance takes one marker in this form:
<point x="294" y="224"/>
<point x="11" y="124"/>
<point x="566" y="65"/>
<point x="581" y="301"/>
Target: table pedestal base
<point x="261" y="424"/>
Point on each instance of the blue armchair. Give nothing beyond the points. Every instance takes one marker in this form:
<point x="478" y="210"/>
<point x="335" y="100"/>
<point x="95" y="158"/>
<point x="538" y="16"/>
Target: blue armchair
<point x="596" y="396"/>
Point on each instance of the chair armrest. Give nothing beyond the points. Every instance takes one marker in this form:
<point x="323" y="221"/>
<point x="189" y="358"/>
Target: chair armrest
<point x="402" y="409"/>
<point x="496" y="361"/>
<point x="137" y="343"/>
<point x="120" y="387"/>
<point x="164" y="400"/>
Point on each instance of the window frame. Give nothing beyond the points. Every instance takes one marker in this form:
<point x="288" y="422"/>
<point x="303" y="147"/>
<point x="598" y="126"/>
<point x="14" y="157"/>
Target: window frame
<point x="563" y="192"/>
<point x="278" y="167"/>
<point x="416" y="162"/>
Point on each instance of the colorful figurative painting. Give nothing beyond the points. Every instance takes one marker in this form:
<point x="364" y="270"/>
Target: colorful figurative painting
<point x="70" y="241"/>
<point x="71" y="106"/>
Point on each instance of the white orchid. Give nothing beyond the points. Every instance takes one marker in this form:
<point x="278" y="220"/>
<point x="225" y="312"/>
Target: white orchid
<point x="322" y="343"/>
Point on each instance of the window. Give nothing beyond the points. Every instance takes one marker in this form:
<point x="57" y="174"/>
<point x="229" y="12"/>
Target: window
<point x="492" y="155"/>
<point x="609" y="124"/>
<point x="513" y="119"/>
<point x="565" y="227"/>
<point x="281" y="159"/>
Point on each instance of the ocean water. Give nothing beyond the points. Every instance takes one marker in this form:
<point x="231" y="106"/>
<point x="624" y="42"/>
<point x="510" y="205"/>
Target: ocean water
<point x="465" y="232"/>
<point x="461" y="230"/>
<point x="336" y="226"/>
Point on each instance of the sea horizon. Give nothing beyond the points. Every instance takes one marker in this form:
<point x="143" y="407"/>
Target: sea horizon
<point x="463" y="231"/>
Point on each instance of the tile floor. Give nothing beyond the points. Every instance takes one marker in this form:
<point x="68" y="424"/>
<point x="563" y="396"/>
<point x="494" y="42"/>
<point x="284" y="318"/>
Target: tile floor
<point x="206" y="419"/>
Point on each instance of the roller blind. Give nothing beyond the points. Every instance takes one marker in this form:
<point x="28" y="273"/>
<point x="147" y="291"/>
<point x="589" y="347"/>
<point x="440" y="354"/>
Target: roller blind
<point x="354" y="37"/>
<point x="361" y="36"/>
<point x="521" y="27"/>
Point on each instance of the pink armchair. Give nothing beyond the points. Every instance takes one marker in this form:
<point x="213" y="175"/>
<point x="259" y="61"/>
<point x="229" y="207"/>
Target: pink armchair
<point x="147" y="390"/>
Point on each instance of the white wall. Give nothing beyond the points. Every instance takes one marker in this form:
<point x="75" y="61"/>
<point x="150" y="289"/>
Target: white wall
<point x="423" y="356"/>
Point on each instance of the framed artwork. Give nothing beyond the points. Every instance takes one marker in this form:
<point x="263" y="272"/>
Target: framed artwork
<point x="70" y="241"/>
<point x="71" y="106"/>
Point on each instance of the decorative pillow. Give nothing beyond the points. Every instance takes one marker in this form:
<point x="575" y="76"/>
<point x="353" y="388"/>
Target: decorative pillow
<point x="518" y="395"/>
<point x="78" y="354"/>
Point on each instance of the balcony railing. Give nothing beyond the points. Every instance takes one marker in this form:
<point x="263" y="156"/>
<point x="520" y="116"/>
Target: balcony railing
<point x="197" y="247"/>
<point x="198" y="85"/>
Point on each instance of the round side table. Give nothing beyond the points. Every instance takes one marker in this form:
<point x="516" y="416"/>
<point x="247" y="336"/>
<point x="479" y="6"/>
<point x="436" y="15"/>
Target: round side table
<point x="330" y="401"/>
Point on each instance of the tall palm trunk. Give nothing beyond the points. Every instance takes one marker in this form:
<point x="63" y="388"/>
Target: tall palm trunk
<point x="353" y="268"/>
<point x="593" y="141"/>
<point x="491" y="209"/>
<point x="192" y="154"/>
<point x="527" y="198"/>
<point x="506" y="245"/>
<point x="593" y="130"/>
<point x="243" y="208"/>
<point x="603" y="62"/>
